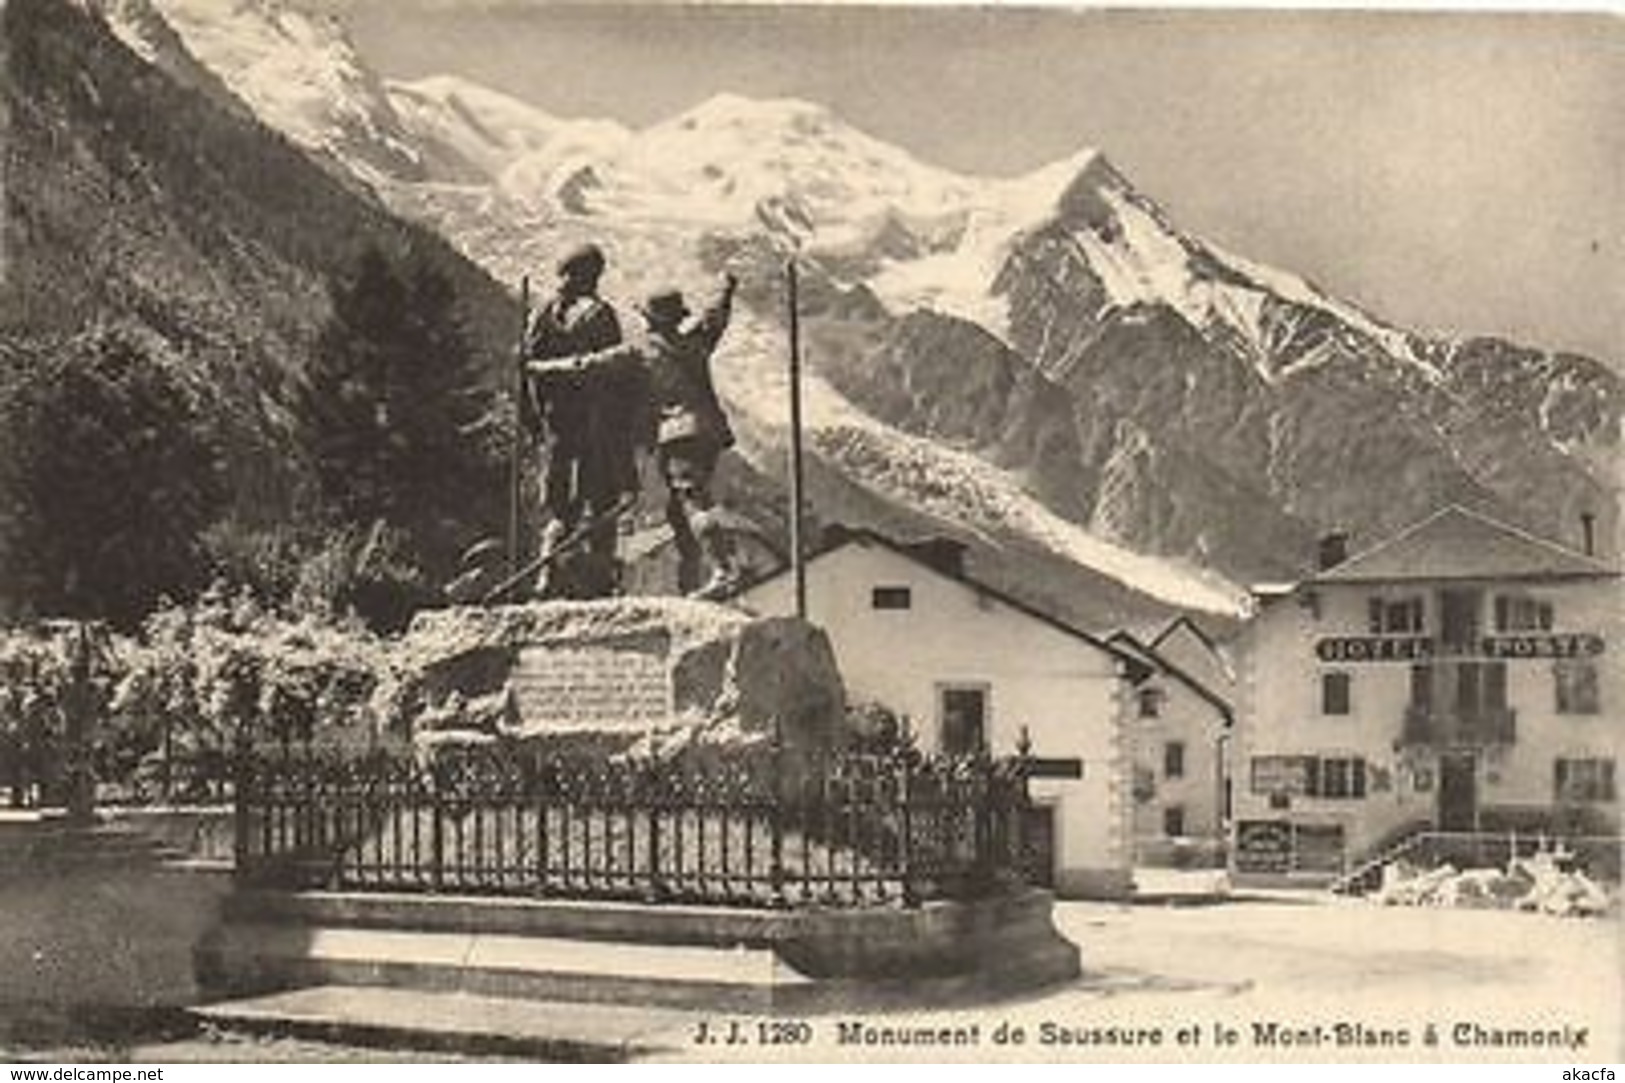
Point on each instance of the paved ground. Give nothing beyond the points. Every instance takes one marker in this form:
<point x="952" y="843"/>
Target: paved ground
<point x="1287" y="981"/>
<point x="1338" y="981"/>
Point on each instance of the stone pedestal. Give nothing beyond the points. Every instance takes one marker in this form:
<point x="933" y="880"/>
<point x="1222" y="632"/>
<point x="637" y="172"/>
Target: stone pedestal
<point x="620" y="675"/>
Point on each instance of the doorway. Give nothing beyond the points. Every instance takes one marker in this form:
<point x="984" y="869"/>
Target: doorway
<point x="1458" y="620"/>
<point x="1040" y="845"/>
<point x="1458" y="791"/>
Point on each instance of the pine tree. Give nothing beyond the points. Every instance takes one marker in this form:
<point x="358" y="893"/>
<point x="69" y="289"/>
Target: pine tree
<point x="108" y="477"/>
<point x="394" y="419"/>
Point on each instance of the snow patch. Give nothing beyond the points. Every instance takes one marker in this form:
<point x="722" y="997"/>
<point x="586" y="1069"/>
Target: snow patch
<point x="952" y="485"/>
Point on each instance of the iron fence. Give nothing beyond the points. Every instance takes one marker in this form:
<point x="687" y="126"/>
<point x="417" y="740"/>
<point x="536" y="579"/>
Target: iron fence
<point x="759" y="831"/>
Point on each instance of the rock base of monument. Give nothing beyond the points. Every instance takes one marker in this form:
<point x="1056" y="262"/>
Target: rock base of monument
<point x="694" y="958"/>
<point x="634" y="675"/>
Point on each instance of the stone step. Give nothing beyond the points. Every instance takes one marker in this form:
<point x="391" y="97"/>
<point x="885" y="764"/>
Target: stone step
<point x="630" y="922"/>
<point x="459" y="1022"/>
<point x="244" y="956"/>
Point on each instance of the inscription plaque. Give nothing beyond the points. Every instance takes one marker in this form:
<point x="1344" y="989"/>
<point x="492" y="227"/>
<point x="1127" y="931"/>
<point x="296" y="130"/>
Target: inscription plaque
<point x="621" y="683"/>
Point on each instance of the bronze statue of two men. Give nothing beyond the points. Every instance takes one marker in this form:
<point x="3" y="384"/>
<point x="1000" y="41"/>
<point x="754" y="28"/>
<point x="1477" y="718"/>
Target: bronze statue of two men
<point x="599" y="401"/>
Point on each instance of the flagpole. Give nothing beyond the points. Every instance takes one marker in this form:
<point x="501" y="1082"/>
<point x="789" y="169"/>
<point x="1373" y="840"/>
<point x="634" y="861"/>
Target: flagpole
<point x="798" y="564"/>
<point x="515" y="464"/>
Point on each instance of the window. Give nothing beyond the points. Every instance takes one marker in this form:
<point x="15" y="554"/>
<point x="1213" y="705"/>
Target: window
<point x="1481" y="687"/>
<point x="1150" y="700"/>
<point x="1576" y="686"/>
<point x="1173" y="759"/>
<point x="964" y="719"/>
<point x="891" y="598"/>
<point x="1334" y="693"/>
<point x="1520" y="613"/>
<point x="1583" y="780"/>
<point x="1386" y="616"/>
<point x="1311" y="776"/>
<point x="1422" y="689"/>
<point x="1173" y="820"/>
<point x="1340" y="777"/>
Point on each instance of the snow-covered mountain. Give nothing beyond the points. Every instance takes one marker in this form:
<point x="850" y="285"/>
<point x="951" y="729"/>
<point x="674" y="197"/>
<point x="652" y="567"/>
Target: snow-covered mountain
<point x="299" y="73"/>
<point x="1104" y="387"/>
<point x="470" y="133"/>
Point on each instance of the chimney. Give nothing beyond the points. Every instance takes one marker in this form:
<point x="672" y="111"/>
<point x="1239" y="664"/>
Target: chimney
<point x="1588" y="529"/>
<point x="1333" y="550"/>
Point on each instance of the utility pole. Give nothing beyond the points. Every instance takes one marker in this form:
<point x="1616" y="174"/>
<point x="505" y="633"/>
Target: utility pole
<point x="516" y="469"/>
<point x="798" y="562"/>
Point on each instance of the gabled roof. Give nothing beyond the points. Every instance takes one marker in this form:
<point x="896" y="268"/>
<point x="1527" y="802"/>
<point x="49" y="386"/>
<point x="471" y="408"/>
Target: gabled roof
<point x="1129" y="642"/>
<point x="1457" y="543"/>
<point x="928" y="556"/>
<point x="1175" y="625"/>
<point x="1221" y="657"/>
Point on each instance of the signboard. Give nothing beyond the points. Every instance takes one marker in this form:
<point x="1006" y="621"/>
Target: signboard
<point x="1374" y="649"/>
<point x="1421" y="648"/>
<point x="1263" y="846"/>
<point x="1281" y="774"/>
<point x="1544" y="645"/>
<point x="1043" y="767"/>
<point x="622" y="683"/>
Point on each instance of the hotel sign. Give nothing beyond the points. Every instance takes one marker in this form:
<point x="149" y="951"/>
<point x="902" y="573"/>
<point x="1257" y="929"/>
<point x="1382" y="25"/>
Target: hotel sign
<point x="1422" y="649"/>
<point x="1374" y="649"/>
<point x="1544" y="645"/>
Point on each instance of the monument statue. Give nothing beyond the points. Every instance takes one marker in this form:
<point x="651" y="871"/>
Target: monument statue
<point x="589" y="426"/>
<point x="670" y="370"/>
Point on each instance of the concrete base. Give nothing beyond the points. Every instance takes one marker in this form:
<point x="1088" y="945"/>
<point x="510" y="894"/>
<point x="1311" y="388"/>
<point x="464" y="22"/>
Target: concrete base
<point x="96" y="918"/>
<point x="699" y="958"/>
<point x="1094" y="883"/>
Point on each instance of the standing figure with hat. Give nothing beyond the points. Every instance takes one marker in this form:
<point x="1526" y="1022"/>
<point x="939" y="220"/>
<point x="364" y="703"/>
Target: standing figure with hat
<point x="589" y="427"/>
<point x="691" y="433"/>
<point x="690" y="428"/>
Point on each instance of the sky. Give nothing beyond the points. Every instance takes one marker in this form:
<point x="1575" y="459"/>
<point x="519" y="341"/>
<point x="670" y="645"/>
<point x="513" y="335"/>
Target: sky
<point x="1451" y="172"/>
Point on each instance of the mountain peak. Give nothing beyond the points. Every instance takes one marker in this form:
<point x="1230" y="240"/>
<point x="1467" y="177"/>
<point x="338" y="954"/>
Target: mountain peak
<point x="728" y="109"/>
<point x="1082" y="198"/>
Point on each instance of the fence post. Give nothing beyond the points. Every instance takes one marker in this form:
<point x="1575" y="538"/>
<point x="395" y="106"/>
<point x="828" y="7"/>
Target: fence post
<point x="1021" y="802"/>
<point x="905" y="800"/>
<point x="776" y="822"/>
<point x="982" y="820"/>
<point x="241" y="788"/>
<point x="437" y="836"/>
<point x="651" y="800"/>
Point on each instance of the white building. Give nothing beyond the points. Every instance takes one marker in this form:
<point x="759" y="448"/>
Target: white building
<point x="1453" y="678"/>
<point x="970" y="667"/>
<point x="1180" y="727"/>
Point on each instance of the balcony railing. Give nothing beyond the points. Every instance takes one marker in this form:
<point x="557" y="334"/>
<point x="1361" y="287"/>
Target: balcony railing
<point x="1445" y="728"/>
